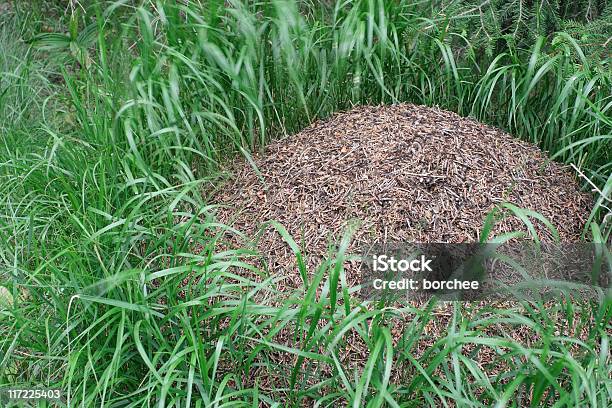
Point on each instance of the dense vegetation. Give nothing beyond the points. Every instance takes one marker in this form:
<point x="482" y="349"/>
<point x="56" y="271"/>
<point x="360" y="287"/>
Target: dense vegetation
<point x="115" y="115"/>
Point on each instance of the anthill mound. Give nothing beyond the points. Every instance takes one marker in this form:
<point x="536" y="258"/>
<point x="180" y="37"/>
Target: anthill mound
<point x="408" y="173"/>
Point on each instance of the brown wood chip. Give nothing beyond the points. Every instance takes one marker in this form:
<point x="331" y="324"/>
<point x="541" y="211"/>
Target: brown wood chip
<point x="408" y="173"/>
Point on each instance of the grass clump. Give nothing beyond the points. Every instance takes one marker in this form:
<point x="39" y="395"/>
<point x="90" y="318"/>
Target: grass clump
<point x="111" y="127"/>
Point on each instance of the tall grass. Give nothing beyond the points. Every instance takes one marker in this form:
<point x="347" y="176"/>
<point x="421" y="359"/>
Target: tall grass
<point x="100" y="188"/>
<point x="206" y="80"/>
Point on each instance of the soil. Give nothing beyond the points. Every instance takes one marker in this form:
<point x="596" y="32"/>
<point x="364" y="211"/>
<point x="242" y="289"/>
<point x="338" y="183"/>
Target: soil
<point x="405" y="173"/>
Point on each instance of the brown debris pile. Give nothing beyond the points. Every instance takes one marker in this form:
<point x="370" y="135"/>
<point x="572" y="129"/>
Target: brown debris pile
<point x="408" y="173"/>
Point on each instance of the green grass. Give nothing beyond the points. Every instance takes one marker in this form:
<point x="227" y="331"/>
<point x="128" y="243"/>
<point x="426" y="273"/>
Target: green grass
<point x="111" y="130"/>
